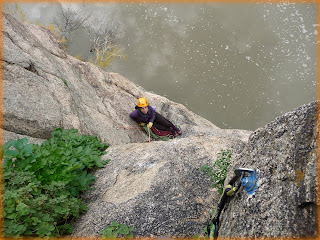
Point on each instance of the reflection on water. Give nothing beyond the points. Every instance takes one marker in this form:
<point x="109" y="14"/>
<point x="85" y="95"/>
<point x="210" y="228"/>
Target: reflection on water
<point x="239" y="65"/>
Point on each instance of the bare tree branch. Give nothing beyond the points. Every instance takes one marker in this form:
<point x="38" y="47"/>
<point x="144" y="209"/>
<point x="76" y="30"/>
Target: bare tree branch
<point x="101" y="27"/>
<point x="69" y="20"/>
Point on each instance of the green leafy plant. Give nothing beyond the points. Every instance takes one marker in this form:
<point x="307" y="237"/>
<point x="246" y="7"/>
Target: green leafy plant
<point x="42" y="183"/>
<point x="218" y="171"/>
<point x="115" y="230"/>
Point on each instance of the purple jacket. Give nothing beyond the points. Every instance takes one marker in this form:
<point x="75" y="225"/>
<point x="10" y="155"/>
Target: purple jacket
<point x="139" y="117"/>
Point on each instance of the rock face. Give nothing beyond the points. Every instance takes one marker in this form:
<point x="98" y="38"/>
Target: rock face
<point x="154" y="184"/>
<point x="44" y="88"/>
<point x="157" y="187"/>
<point x="284" y="153"/>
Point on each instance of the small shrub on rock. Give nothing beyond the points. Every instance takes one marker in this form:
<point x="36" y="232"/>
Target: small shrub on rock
<point x="42" y="183"/>
<point x="115" y="230"/>
<point x="218" y="171"/>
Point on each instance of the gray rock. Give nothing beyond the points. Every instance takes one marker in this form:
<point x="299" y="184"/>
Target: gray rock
<point x="284" y="153"/>
<point x="7" y="136"/>
<point x="44" y="89"/>
<point x="156" y="187"/>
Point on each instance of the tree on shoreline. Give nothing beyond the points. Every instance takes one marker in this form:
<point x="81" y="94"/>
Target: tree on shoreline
<point x="103" y="36"/>
<point x="81" y="19"/>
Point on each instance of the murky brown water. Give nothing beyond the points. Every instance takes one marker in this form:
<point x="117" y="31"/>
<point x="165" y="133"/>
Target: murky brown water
<point x="239" y="65"/>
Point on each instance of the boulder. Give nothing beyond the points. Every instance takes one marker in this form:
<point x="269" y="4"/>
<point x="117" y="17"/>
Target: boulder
<point x="284" y="154"/>
<point x="7" y="136"/>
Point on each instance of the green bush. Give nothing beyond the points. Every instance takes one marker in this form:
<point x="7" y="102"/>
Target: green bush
<point x="117" y="230"/>
<point x="43" y="183"/>
<point x="218" y="171"/>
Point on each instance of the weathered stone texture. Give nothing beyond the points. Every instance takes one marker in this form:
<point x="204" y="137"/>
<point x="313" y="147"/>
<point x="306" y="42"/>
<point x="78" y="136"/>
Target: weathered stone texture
<point x="156" y="187"/>
<point x="284" y="153"/>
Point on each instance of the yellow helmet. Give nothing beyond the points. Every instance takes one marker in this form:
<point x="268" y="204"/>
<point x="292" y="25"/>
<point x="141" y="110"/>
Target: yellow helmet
<point x="142" y="102"/>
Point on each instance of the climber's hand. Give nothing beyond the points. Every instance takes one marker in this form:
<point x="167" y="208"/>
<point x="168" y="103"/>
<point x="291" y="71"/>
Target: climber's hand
<point x="149" y="125"/>
<point x="142" y="124"/>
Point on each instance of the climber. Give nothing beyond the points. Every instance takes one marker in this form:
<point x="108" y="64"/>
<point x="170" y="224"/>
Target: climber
<point x="146" y="115"/>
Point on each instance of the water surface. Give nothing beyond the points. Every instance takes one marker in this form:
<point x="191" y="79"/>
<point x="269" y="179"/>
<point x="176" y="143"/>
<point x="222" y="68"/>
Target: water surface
<point x="239" y="65"/>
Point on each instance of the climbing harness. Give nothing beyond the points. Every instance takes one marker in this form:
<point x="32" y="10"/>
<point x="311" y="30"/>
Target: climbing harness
<point x="152" y="133"/>
<point x="243" y="176"/>
<point x="157" y="137"/>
